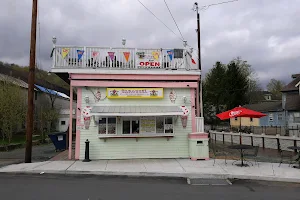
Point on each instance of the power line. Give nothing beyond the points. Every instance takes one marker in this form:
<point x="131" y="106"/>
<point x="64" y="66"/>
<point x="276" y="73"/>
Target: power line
<point x="174" y="19"/>
<point x="215" y="4"/>
<point x="159" y="20"/>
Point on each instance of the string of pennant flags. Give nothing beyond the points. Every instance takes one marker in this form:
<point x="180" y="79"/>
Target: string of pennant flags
<point x="95" y="54"/>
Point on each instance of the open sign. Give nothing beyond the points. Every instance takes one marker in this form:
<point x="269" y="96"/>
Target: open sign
<point x="150" y="64"/>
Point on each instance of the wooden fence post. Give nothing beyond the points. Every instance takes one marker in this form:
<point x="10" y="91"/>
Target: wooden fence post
<point x="223" y="138"/>
<point x="215" y="138"/>
<point x="295" y="144"/>
<point x="251" y="140"/>
<point x="278" y="144"/>
<point x="263" y="141"/>
<point x="231" y="140"/>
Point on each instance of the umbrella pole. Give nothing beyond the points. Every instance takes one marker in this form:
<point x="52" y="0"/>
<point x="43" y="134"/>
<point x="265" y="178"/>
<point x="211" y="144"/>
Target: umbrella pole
<point x="240" y="130"/>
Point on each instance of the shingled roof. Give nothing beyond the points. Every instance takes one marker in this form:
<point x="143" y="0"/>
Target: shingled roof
<point x="291" y="86"/>
<point x="268" y="106"/>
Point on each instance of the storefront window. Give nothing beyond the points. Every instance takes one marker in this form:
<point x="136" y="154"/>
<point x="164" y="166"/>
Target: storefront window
<point x="126" y="126"/>
<point x="131" y="125"/>
<point x="111" y="125"/>
<point x="102" y="126"/>
<point x="159" y="124"/>
<point x="168" y="125"/>
<point x="107" y="125"/>
<point x="135" y="124"/>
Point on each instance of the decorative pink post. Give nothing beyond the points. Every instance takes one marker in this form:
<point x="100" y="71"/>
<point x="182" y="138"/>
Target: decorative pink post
<point x="70" y="122"/>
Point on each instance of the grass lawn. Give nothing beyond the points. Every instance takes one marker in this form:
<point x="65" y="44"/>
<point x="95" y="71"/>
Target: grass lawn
<point x="18" y="139"/>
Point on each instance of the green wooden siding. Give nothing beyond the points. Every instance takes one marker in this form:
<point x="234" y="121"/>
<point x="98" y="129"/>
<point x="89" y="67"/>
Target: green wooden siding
<point x="123" y="148"/>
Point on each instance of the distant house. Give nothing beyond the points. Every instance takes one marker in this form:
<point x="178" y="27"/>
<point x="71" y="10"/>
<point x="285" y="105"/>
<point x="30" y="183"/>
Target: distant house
<point x="41" y="95"/>
<point x="284" y="112"/>
<point x="273" y="110"/>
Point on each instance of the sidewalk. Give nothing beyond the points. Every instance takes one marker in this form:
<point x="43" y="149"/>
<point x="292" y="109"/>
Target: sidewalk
<point x="184" y="168"/>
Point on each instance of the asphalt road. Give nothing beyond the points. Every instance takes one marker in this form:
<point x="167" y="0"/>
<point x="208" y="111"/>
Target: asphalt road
<point x="106" y="188"/>
<point x="39" y="153"/>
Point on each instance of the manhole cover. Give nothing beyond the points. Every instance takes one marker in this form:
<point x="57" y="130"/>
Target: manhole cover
<point x="204" y="181"/>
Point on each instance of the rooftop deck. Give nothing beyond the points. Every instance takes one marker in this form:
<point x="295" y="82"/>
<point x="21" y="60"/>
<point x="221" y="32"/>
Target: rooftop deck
<point x="79" y="59"/>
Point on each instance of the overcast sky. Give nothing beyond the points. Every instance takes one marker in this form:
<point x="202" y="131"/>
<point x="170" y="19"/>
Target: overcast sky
<point x="266" y="33"/>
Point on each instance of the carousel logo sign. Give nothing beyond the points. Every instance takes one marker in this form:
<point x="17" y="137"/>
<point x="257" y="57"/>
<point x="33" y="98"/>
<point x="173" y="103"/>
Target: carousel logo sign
<point x="234" y="113"/>
<point x="134" y="93"/>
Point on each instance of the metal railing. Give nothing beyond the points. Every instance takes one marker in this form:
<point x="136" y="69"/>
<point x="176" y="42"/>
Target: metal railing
<point x="259" y="137"/>
<point x="121" y="58"/>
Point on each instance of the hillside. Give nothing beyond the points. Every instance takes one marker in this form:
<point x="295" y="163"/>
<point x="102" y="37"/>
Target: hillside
<point x="51" y="81"/>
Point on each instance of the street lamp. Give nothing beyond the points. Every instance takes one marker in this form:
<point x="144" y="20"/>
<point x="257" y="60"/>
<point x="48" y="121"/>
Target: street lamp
<point x="123" y="42"/>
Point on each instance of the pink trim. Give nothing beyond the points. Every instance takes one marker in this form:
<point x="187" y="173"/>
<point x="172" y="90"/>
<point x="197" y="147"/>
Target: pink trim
<point x="70" y="123"/>
<point x="134" y="84"/>
<point x="78" y="121"/>
<point x="198" y="99"/>
<point x="198" y="135"/>
<point x="193" y="110"/>
<point x="194" y="159"/>
<point x="206" y="158"/>
<point x="136" y="77"/>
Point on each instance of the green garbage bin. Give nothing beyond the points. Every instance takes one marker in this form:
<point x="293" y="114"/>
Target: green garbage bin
<point x="198" y="146"/>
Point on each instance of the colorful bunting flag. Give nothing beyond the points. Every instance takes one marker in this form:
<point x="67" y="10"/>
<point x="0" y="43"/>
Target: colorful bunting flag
<point x="111" y="55"/>
<point x="65" y="52"/>
<point x="95" y="54"/>
<point x="193" y="61"/>
<point x="126" y="55"/>
<point x="80" y="54"/>
<point x="155" y="55"/>
<point x="170" y="53"/>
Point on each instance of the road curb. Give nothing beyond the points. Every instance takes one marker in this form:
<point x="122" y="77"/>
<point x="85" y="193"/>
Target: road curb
<point x="152" y="175"/>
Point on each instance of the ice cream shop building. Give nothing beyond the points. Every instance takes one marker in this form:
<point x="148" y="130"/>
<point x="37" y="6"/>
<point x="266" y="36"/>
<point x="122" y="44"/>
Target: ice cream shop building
<point x="131" y="103"/>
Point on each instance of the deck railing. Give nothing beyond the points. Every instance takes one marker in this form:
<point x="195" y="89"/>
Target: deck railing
<point x="121" y="58"/>
<point x="262" y="140"/>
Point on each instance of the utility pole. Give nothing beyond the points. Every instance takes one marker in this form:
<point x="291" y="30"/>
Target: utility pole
<point x="200" y="112"/>
<point x="29" y="124"/>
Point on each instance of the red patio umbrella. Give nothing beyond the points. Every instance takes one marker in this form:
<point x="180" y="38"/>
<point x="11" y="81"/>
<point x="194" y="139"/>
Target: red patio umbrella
<point x="240" y="112"/>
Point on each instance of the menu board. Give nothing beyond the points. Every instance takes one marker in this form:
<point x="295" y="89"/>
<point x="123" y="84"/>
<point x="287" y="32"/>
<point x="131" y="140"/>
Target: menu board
<point x="147" y="125"/>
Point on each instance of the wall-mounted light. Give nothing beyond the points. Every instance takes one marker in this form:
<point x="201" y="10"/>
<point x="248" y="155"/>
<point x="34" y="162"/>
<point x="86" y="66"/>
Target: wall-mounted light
<point x="123" y="42"/>
<point x="87" y="99"/>
<point x="54" y="40"/>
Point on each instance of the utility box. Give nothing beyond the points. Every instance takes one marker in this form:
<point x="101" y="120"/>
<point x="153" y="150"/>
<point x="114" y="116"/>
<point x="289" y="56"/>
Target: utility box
<point x="198" y="146"/>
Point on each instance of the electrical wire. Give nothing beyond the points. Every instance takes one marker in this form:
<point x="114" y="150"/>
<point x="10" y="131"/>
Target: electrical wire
<point x="215" y="4"/>
<point x="174" y="20"/>
<point x="159" y="20"/>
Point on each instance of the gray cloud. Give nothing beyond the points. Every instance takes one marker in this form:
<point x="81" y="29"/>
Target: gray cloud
<point x="265" y="33"/>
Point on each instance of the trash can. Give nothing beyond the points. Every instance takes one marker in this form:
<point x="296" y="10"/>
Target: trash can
<point x="198" y="146"/>
<point x="59" y="140"/>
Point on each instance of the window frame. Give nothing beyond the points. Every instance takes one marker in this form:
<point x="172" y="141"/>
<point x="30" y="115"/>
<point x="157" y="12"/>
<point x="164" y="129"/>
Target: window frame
<point x="139" y="118"/>
<point x="280" y="118"/>
<point x="106" y="126"/>
<point x="271" y="117"/>
<point x="63" y="123"/>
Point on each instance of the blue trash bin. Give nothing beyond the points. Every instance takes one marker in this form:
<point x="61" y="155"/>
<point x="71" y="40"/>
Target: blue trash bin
<point x="59" y="140"/>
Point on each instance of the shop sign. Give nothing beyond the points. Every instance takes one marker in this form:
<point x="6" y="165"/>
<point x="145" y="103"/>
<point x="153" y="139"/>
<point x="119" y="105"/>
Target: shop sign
<point x="148" y="125"/>
<point x="134" y="93"/>
<point x="149" y="59"/>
